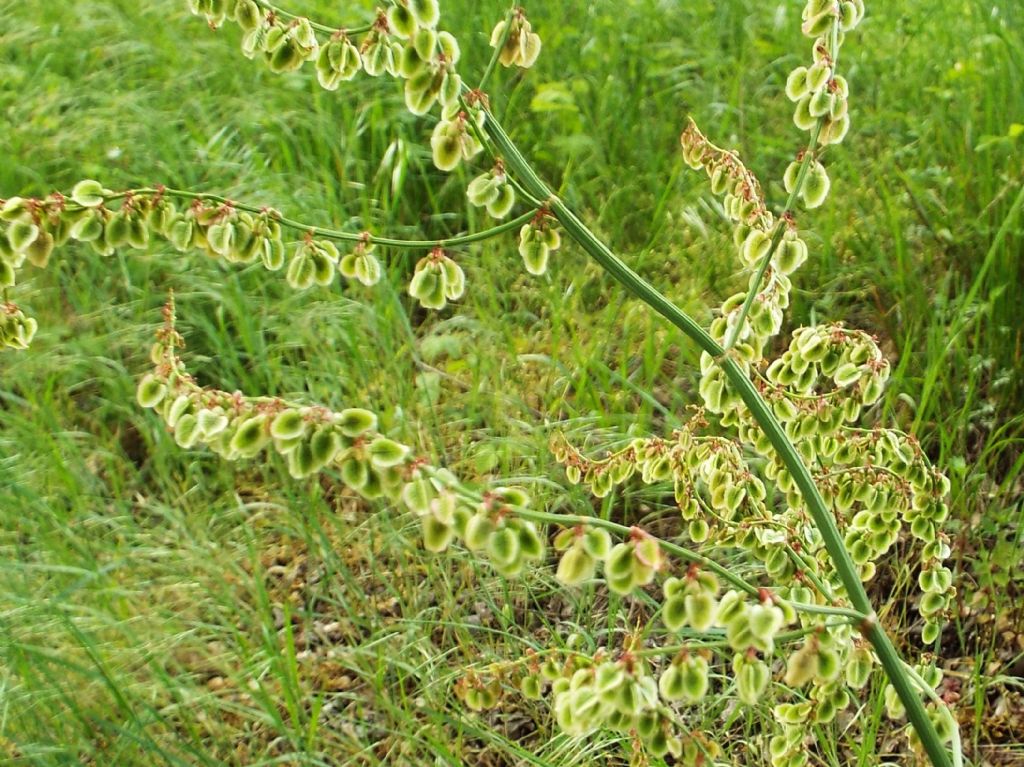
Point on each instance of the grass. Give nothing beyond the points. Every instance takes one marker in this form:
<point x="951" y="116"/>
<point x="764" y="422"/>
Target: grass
<point x="160" y="607"/>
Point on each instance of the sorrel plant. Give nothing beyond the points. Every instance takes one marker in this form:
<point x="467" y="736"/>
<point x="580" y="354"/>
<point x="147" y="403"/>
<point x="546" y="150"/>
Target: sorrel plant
<point x="773" y="462"/>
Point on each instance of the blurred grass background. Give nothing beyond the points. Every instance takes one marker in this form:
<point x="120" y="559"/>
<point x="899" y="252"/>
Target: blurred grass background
<point x="160" y="607"/>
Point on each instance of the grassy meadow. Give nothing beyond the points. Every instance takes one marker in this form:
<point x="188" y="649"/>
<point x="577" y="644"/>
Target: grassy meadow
<point x="162" y="607"/>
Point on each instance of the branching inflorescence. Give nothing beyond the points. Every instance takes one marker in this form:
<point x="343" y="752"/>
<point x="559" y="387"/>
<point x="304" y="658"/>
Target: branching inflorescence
<point x="737" y="470"/>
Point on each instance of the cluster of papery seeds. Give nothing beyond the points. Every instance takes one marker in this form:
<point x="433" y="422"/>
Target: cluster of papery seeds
<point x="820" y="94"/>
<point x="106" y="221"/>
<point x="314" y="438"/>
<point x="492" y="190"/>
<point x="16" y="330"/>
<point x="537" y="241"/>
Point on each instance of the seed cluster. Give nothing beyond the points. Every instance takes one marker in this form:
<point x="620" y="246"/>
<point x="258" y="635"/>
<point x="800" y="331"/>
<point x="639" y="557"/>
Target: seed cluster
<point x="31" y="229"/>
<point x="312" y="438"/>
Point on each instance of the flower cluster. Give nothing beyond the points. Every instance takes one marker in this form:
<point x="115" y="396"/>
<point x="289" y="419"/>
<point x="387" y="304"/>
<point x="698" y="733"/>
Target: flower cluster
<point x="16" y="330"/>
<point x="622" y="695"/>
<point x="627" y="565"/>
<point x="537" y="240"/>
<point x="437" y="280"/>
<point x="492" y="190"/>
<point x="402" y="42"/>
<point x="516" y="42"/>
<point x="361" y="264"/>
<point x="105" y="221"/>
<point x="314" y="438"/>
<point x="820" y="94"/>
<point x="743" y="199"/>
<point x="454" y="139"/>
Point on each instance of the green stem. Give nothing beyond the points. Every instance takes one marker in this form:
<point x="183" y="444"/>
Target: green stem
<point x="324" y="29"/>
<point x="777" y="235"/>
<point x="761" y="413"/>
<point x="334" y="234"/>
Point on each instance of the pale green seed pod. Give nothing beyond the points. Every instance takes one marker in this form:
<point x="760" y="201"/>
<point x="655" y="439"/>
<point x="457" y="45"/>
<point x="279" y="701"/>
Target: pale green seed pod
<point x="700" y="610"/>
<point x="671" y="684"/>
<point x="251" y="436"/>
<point x="286" y="57"/>
<point x="418" y="496"/>
<point x="503" y="546"/>
<point x="483" y="189"/>
<point x="454" y="279"/>
<point x="151" y="391"/>
<point x="801" y="666"/>
<point x="89" y="193"/>
<point x="755" y="247"/>
<point x="272" y="254"/>
<point x="816" y="185"/>
<point x="575" y="567"/>
<point x="818" y="24"/>
<point x="424" y="42"/>
<point x="821" y="103"/>
<point x="436" y="534"/>
<point x="176" y="409"/>
<point x="248" y="15"/>
<point x="324" y="445"/>
<point x="564" y="539"/>
<point x="220" y="236"/>
<point x="530" y="687"/>
<point x="828" y="665"/>
<point x="597" y="543"/>
<point x="301" y="462"/>
<point x="180" y="235"/>
<point x="186" y="431"/>
<point x="357" y="421"/>
<point x="531" y="544"/>
<point x="479" y="529"/>
<point x="302" y="270"/>
<point x="529" y="51"/>
<point x="211" y="423"/>
<point x="15" y="209"/>
<point x="367" y="268"/>
<point x="324" y="256"/>
<point x="931" y="631"/>
<point x="535" y="256"/>
<point x="354" y="472"/>
<point x="719" y="180"/>
<point x="449" y="48"/>
<point x="752" y="678"/>
<point x="401" y="21"/>
<point x="802" y="117"/>
<point x="796" y="84"/>
<point x="791" y="175"/>
<point x="21" y="234"/>
<point x="8" y="278"/>
<point x="792" y="253"/>
<point x="385" y="453"/>
<point x="502" y="205"/>
<point x="445" y="150"/>
<point x="834" y="131"/>
<point x="673" y="613"/>
<point x="426" y="12"/>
